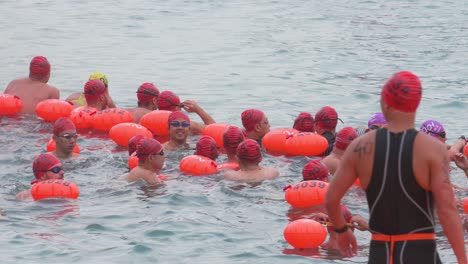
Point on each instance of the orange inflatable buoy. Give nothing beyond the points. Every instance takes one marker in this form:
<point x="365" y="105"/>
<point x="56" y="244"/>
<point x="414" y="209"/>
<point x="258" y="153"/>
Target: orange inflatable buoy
<point x="53" y="109"/>
<point x="10" y="104"/>
<point x="275" y="140"/>
<point x="132" y="161"/>
<point x="123" y="132"/>
<point x="216" y="131"/>
<point x="54" y="188"/>
<point x="198" y="165"/>
<point x="51" y="146"/>
<point x="107" y="118"/>
<point x="305" y="233"/>
<point x="82" y="116"/>
<point x="157" y="121"/>
<point x="465" y="205"/>
<point x="306" y="194"/>
<point x="306" y="144"/>
<point x="229" y="166"/>
<point x="465" y="150"/>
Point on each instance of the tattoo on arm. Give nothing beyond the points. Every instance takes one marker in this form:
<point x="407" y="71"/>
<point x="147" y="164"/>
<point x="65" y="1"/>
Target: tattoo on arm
<point x="363" y="148"/>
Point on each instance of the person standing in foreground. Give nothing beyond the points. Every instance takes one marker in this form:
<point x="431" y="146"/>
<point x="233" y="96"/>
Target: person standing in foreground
<point x="404" y="173"/>
<point x="34" y="89"/>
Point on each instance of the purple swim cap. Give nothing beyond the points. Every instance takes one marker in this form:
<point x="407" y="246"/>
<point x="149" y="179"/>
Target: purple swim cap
<point x="433" y="128"/>
<point x="376" y="119"/>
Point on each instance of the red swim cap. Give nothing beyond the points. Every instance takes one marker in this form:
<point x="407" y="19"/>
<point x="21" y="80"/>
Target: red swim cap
<point x="147" y="147"/>
<point x="250" y="118"/>
<point x="63" y="124"/>
<point x="133" y="143"/>
<point x="327" y="118"/>
<point x="42" y="163"/>
<point x="315" y="170"/>
<point x="147" y="92"/>
<point x="304" y="122"/>
<point x="168" y="100"/>
<point x="93" y="89"/>
<point x="344" y="137"/>
<point x="39" y="67"/>
<point x="403" y="92"/>
<point x="249" y="151"/>
<point x="206" y="146"/>
<point x="232" y="137"/>
<point x="178" y="115"/>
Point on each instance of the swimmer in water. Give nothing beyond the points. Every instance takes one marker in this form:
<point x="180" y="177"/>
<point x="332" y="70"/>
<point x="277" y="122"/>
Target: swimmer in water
<point x="147" y="95"/>
<point x="255" y="123"/>
<point x="45" y="167"/>
<point x="343" y="138"/>
<point x="376" y="121"/>
<point x="325" y="123"/>
<point x="179" y="130"/>
<point x="34" y="89"/>
<point x="232" y="137"/>
<point x="206" y="146"/>
<point x="96" y="94"/>
<point x="65" y="138"/>
<point x="304" y="122"/>
<point x="78" y="99"/>
<point x="250" y="156"/>
<point x="169" y="101"/>
<point x="151" y="158"/>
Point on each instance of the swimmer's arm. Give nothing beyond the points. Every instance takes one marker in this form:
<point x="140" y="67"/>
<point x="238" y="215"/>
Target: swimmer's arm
<point x="446" y="206"/>
<point x="196" y="128"/>
<point x="24" y="195"/>
<point x="344" y="177"/>
<point x="110" y="102"/>
<point x="359" y="223"/>
<point x="152" y="178"/>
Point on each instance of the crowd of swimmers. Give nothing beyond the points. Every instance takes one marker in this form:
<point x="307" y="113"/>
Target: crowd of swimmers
<point x="242" y="146"/>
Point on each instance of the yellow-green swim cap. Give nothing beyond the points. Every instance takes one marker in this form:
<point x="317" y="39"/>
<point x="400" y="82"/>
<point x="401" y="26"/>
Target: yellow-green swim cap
<point x="99" y="76"/>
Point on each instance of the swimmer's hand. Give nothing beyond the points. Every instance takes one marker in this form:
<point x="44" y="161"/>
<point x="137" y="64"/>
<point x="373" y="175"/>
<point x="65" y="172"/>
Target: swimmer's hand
<point x="191" y="106"/>
<point x="359" y="223"/>
<point x="320" y="217"/>
<point x="462" y="162"/>
<point x="347" y="243"/>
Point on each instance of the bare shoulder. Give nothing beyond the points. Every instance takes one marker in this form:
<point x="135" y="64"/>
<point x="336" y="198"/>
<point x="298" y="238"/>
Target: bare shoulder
<point x="270" y="172"/>
<point x="429" y="146"/>
<point x="24" y="195"/>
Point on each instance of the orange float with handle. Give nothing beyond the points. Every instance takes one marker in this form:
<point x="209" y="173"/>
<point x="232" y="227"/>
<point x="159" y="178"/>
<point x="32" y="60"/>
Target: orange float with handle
<point x="82" y="116"/>
<point x="54" y="188"/>
<point x="465" y="150"/>
<point x="306" y="144"/>
<point x="275" y="141"/>
<point x="104" y="120"/>
<point x="123" y="132"/>
<point x="306" y="194"/>
<point x="157" y="121"/>
<point x="216" y="131"/>
<point x="305" y="233"/>
<point x="10" y="104"/>
<point x="51" y="146"/>
<point x="52" y="109"/>
<point x="197" y="165"/>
